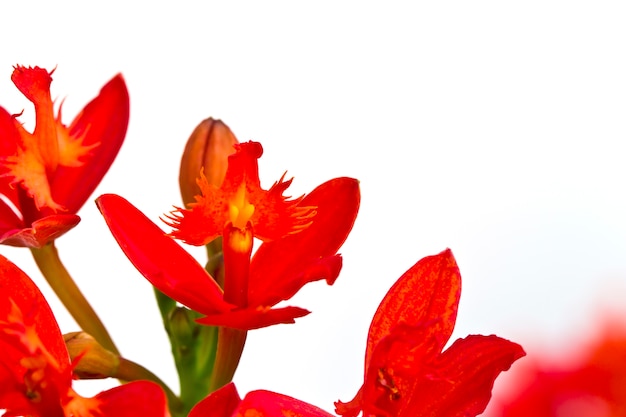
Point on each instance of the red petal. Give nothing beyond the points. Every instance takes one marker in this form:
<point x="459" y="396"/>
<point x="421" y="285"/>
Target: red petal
<point x="8" y="146"/>
<point x="220" y="403"/>
<point x="427" y="292"/>
<point x="138" y="398"/>
<point x="9" y="220"/>
<point x="280" y="268"/>
<point x="42" y="232"/>
<point x="17" y="287"/>
<point x="465" y="374"/>
<point x="254" y="318"/>
<point x="267" y="403"/>
<point x="243" y="167"/>
<point x="352" y="408"/>
<point x="11" y="138"/>
<point x="159" y="258"/>
<point x="104" y="120"/>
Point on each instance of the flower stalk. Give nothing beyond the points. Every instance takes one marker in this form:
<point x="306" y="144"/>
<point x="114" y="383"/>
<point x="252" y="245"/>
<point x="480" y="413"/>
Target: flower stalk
<point x="53" y="270"/>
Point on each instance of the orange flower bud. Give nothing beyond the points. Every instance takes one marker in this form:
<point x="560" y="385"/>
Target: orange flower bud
<point x="90" y="360"/>
<point x="207" y="149"/>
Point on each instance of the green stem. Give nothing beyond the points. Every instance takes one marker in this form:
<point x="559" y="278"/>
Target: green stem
<point x="193" y="348"/>
<point x="166" y="306"/>
<point x="48" y="261"/>
<point x="230" y="343"/>
<point x="131" y="371"/>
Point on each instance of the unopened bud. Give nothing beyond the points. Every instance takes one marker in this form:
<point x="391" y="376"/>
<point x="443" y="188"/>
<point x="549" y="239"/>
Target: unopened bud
<point x="89" y="359"/>
<point x="208" y="148"/>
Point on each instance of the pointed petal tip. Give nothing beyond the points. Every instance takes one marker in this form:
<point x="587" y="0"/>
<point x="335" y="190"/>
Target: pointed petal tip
<point x="254" y="318"/>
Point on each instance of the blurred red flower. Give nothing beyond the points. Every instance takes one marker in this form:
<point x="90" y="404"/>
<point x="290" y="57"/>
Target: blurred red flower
<point x="591" y="384"/>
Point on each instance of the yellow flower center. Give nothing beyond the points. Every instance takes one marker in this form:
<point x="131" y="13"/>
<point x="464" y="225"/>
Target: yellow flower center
<point x="240" y="209"/>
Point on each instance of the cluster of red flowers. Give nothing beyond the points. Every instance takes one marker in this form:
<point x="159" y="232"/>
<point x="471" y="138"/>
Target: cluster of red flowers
<point x="47" y="175"/>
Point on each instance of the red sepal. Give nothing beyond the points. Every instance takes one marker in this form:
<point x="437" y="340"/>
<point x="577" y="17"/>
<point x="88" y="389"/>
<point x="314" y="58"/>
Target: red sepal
<point x="254" y="317"/>
<point x="428" y="292"/>
<point x="308" y="255"/>
<point x="160" y="259"/>
<point x="104" y="120"/>
<point x="41" y="232"/>
<point x="220" y="403"/>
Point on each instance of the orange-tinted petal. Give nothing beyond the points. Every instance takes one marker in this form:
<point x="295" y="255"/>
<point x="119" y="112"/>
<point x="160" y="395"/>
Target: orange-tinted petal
<point x="220" y="403"/>
<point x="37" y="155"/>
<point x="34" y="83"/>
<point x="280" y="268"/>
<point x="204" y="221"/>
<point x="428" y="292"/>
<point x="254" y="318"/>
<point x="41" y="232"/>
<point x="160" y="259"/>
<point x="103" y="122"/>
<point x="275" y="216"/>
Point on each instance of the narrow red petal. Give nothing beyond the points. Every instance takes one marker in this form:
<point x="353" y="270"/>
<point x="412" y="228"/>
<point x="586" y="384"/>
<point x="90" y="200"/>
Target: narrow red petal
<point x="11" y="138"/>
<point x="159" y="258"/>
<point x="138" y="398"/>
<point x="254" y="318"/>
<point x="104" y="120"/>
<point x="41" y="232"/>
<point x="9" y="144"/>
<point x="463" y="379"/>
<point x="427" y="292"/>
<point x="220" y="403"/>
<point x="278" y="267"/>
<point x="9" y="220"/>
<point x="16" y="287"/>
<point x="267" y="403"/>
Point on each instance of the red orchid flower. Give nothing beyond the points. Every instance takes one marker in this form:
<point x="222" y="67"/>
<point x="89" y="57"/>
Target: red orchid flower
<point x="47" y="175"/>
<point x="406" y="372"/>
<point x="35" y="370"/>
<point x="226" y="402"/>
<point x="304" y="248"/>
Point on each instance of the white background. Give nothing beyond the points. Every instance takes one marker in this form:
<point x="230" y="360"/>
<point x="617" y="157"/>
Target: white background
<point x="490" y="128"/>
